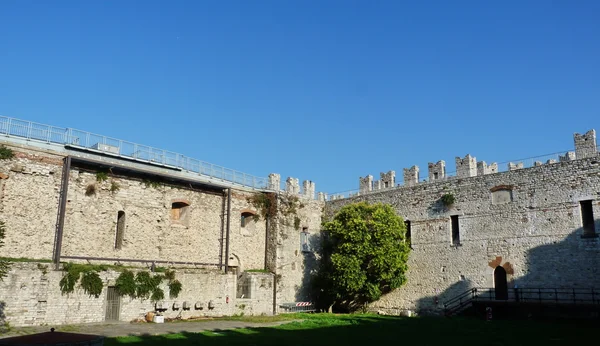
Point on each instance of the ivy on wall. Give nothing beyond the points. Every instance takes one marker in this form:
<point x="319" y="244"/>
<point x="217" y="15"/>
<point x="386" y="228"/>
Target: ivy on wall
<point x="142" y="285"/>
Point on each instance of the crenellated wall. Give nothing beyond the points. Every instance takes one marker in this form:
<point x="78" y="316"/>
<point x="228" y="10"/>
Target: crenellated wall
<point x="529" y="221"/>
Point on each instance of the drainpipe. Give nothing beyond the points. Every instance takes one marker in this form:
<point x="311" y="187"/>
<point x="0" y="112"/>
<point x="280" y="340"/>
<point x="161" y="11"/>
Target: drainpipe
<point x="62" y="205"/>
<point x="222" y="237"/>
<point x="227" y="232"/>
<point x="266" y="242"/>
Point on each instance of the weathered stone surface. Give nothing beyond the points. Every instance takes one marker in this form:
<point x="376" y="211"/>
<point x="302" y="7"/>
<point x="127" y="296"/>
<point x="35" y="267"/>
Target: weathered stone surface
<point x="533" y="224"/>
<point x="33" y="297"/>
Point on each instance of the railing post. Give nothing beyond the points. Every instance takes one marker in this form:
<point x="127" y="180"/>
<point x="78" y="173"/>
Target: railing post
<point x="29" y="130"/>
<point x="48" y="136"/>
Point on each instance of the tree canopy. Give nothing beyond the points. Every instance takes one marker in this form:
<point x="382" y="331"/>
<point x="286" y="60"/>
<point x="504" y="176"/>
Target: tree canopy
<point x="364" y="255"/>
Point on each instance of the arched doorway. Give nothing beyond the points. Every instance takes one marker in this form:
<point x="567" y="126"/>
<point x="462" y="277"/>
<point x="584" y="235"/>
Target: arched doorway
<point x="500" y="283"/>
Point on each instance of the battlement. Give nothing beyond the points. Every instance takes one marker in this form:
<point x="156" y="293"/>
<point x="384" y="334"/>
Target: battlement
<point x="585" y="147"/>
<point x="292" y="186"/>
<point x="437" y="171"/>
<point x="466" y="167"/>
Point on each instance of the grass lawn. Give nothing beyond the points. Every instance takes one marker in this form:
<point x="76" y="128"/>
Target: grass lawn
<point x="372" y="330"/>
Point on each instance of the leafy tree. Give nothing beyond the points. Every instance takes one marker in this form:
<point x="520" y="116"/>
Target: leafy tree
<point x="364" y="255"/>
<point x="4" y="265"/>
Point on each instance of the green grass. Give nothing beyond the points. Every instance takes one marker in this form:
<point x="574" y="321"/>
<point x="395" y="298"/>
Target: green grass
<point x="371" y="330"/>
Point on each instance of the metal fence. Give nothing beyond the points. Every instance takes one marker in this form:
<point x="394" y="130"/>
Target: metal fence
<point x="12" y="127"/>
<point x="290" y="308"/>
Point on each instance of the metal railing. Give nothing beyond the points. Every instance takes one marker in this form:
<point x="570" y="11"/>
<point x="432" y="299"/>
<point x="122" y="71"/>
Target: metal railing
<point x="12" y="127"/>
<point x="523" y="295"/>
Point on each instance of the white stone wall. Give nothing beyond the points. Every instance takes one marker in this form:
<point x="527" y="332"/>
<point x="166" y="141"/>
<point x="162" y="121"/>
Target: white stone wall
<point x="29" y="191"/>
<point x="32" y="296"/>
<point x="28" y="203"/>
<point x="537" y="235"/>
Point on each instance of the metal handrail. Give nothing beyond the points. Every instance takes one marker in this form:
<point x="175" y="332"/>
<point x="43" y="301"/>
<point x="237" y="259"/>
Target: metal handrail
<point x="524" y="295"/>
<point x="107" y="145"/>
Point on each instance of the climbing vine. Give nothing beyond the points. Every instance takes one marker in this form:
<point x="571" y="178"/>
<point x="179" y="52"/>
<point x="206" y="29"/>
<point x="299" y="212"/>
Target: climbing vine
<point x="265" y="203"/>
<point x="90" y="279"/>
<point x="144" y="285"/>
<point x="268" y="205"/>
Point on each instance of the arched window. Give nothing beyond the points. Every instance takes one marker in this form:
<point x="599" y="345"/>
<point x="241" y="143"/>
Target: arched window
<point x="246" y="218"/>
<point x="120" y="229"/>
<point x="179" y="211"/>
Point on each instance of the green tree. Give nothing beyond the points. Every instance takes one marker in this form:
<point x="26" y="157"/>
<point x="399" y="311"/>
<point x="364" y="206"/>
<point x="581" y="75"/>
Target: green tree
<point x="364" y="255"/>
<point x="4" y="264"/>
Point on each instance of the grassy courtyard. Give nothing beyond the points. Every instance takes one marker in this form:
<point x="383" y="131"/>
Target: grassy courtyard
<point x="327" y="329"/>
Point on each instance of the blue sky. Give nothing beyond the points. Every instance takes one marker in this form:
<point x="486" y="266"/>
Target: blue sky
<point x="320" y="90"/>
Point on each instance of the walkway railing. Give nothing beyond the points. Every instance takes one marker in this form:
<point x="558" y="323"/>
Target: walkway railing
<point x="523" y="295"/>
<point x="112" y="146"/>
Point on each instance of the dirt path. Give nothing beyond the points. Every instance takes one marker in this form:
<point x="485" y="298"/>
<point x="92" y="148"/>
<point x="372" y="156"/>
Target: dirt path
<point x="124" y="328"/>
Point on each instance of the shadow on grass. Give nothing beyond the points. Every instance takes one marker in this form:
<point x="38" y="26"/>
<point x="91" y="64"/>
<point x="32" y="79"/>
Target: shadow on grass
<point x="385" y="330"/>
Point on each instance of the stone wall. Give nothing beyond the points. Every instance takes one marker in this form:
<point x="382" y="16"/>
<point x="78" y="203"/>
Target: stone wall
<point x="255" y="294"/>
<point x="40" y="300"/>
<point x="293" y="263"/>
<point x="29" y="201"/>
<point x="163" y="221"/>
<point x="527" y="221"/>
<point x="29" y="193"/>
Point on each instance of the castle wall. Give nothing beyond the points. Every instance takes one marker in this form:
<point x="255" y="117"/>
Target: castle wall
<point x="40" y="301"/>
<point x="527" y="220"/>
<point x="29" y="203"/>
<point x="295" y="254"/>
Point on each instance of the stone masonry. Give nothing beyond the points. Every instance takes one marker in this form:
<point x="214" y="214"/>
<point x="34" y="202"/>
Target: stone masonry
<point x="528" y="221"/>
<point x="162" y="221"/>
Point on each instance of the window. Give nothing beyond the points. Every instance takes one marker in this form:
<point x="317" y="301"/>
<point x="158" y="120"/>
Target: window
<point x="179" y="211"/>
<point x="455" y="230"/>
<point x="435" y="175"/>
<point x="587" y="218"/>
<point x="120" y="229"/>
<point x="408" y="234"/>
<point x="246" y="218"/>
<point x="304" y="244"/>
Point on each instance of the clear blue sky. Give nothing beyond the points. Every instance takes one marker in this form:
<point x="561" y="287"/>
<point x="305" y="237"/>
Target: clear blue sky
<point x="320" y="90"/>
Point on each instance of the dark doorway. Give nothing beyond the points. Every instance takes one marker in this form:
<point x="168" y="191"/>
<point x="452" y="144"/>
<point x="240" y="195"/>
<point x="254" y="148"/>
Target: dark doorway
<point x="500" y="283"/>
<point x="113" y="304"/>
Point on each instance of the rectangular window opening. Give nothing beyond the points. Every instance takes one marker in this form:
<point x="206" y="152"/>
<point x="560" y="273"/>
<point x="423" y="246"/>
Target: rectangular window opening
<point x="120" y="229"/>
<point x="455" y="230"/>
<point x="587" y="218"/>
<point x="304" y="245"/>
<point x="408" y="233"/>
